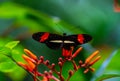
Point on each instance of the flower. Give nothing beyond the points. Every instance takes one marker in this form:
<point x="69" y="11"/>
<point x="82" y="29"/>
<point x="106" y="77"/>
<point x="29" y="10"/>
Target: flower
<point x="68" y="53"/>
<point x="30" y="66"/>
<point x="31" y="61"/>
<point x="30" y="54"/>
<point x="92" y="59"/>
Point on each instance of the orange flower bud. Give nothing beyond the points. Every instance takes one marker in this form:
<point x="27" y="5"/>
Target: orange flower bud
<point x="31" y="65"/>
<point x="95" y="60"/>
<point x="91" y="56"/>
<point x="29" y="53"/>
<point x="76" y="52"/>
<point x="22" y="65"/>
<point x="28" y="58"/>
<point x="92" y="69"/>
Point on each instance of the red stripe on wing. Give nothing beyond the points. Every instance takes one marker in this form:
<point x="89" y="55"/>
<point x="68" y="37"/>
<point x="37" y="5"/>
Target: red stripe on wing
<point x="44" y="37"/>
<point x="80" y="38"/>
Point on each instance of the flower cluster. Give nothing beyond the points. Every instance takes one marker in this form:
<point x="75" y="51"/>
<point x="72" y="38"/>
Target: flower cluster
<point x="32" y="63"/>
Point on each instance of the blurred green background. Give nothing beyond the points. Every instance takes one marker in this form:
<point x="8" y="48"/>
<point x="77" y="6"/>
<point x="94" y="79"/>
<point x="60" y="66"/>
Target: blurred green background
<point x="19" y="19"/>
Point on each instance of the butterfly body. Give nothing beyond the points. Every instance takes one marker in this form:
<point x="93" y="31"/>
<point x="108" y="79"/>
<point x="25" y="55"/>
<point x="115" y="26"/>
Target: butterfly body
<point x="55" y="41"/>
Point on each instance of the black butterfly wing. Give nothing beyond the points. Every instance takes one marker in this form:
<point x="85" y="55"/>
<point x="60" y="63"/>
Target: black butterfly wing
<point x="74" y="40"/>
<point x="53" y="41"/>
<point x="38" y="36"/>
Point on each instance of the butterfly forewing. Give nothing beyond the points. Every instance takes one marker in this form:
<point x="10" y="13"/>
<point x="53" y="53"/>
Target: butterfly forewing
<point x="53" y="41"/>
<point x="75" y="40"/>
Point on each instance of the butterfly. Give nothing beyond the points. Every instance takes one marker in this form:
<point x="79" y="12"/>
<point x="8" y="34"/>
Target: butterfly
<point x="55" y="41"/>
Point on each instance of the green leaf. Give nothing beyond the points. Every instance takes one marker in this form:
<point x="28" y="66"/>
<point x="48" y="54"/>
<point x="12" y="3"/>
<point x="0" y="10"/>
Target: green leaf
<point x="11" y="44"/>
<point x="107" y="76"/>
<point x="7" y="66"/>
<point x="5" y="51"/>
<point x="19" y="74"/>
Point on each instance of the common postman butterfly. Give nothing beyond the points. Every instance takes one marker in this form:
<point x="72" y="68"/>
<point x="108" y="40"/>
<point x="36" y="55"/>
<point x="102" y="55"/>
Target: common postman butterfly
<point x="55" y="41"/>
